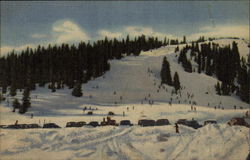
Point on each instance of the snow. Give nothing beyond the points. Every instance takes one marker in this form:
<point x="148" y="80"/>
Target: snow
<point x="130" y="79"/>
<point x="210" y="142"/>
<point x="242" y="45"/>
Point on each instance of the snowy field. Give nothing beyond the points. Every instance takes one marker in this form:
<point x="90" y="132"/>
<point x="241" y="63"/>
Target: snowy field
<point x="128" y="87"/>
<point x="212" y="142"/>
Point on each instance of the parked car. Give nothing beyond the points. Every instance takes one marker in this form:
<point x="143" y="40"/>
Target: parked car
<point x="109" y="121"/>
<point x="33" y="126"/>
<point x="93" y="124"/>
<point x="125" y="123"/>
<point x="51" y="125"/>
<point x="146" y="122"/>
<point x="71" y="124"/>
<point x="80" y="124"/>
<point x="75" y="124"/>
<point x="162" y="122"/>
<point x="210" y="122"/>
<point x="90" y="113"/>
<point x="16" y="126"/>
<point x="238" y="121"/>
<point x="3" y="126"/>
<point x="192" y="123"/>
<point x="181" y="121"/>
<point x="111" y="113"/>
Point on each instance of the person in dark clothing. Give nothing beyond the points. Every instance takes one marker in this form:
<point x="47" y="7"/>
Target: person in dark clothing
<point x="176" y="128"/>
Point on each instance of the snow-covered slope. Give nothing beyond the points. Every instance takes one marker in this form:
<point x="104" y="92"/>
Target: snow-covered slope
<point x="242" y="45"/>
<point x="132" y="81"/>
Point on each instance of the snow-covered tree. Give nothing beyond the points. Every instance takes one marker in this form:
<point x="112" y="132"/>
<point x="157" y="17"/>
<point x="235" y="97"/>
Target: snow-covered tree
<point x="77" y="90"/>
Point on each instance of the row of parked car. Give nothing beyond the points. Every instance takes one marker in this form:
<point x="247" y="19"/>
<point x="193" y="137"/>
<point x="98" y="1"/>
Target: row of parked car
<point x="143" y="122"/>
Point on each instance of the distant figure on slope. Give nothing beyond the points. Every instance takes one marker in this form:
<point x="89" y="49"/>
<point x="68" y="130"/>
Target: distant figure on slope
<point x="247" y="113"/>
<point x="123" y="113"/>
<point x="16" y="122"/>
<point x="31" y="116"/>
<point x="176" y="128"/>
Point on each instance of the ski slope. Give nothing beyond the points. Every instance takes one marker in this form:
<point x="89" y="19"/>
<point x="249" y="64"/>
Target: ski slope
<point x="130" y="83"/>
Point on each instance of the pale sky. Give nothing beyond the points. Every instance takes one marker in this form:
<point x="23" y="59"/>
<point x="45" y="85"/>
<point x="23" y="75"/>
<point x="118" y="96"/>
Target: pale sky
<point x="31" y="23"/>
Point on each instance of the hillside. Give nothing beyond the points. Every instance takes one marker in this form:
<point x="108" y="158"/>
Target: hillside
<point x="132" y="81"/>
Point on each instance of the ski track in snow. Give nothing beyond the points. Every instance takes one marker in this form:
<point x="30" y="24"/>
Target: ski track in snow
<point x="120" y="143"/>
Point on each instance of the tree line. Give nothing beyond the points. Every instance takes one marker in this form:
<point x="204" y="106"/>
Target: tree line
<point x="66" y="65"/>
<point x="224" y="62"/>
<point x="166" y="77"/>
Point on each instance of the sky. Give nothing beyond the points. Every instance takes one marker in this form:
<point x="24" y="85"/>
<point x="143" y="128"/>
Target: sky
<point x="29" y="23"/>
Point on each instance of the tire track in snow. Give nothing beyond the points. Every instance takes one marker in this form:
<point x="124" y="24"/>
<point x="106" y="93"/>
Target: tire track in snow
<point x="102" y="142"/>
<point x="185" y="148"/>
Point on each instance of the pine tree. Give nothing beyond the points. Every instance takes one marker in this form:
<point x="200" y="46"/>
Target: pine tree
<point x="225" y="88"/>
<point x="4" y="82"/>
<point x="176" y="82"/>
<point x="217" y="88"/>
<point x="176" y="49"/>
<point x="208" y="66"/>
<point x="52" y="87"/>
<point x="165" y="41"/>
<point x="15" y="104"/>
<point x="184" y="40"/>
<point x="77" y="91"/>
<point x="165" y="72"/>
<point x="199" y="62"/>
<point x="1" y="97"/>
<point x="12" y="90"/>
<point x="26" y="101"/>
<point x="243" y="80"/>
<point x="188" y="66"/>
